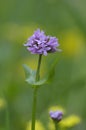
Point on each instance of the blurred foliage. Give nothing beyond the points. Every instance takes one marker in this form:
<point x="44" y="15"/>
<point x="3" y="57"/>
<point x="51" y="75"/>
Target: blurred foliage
<point x="65" y="19"/>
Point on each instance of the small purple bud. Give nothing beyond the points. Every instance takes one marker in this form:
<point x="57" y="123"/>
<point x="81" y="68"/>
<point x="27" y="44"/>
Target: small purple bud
<point x="56" y="115"/>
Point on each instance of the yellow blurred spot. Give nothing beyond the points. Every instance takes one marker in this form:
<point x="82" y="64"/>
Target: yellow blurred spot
<point x="70" y="121"/>
<point x="56" y="108"/>
<point x="51" y="125"/>
<point x="72" y="43"/>
<point x="2" y="103"/>
<point x="38" y="126"/>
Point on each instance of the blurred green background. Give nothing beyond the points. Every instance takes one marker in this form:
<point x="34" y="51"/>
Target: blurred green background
<point x="65" y="19"/>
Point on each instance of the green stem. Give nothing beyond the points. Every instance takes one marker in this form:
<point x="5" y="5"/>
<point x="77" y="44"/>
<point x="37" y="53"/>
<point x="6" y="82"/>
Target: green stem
<point x="35" y="94"/>
<point x="38" y="68"/>
<point x="56" y="125"/>
<point x="34" y="108"/>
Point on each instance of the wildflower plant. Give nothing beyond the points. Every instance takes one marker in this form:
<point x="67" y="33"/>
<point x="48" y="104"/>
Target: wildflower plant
<point x="39" y="44"/>
<point x="56" y="116"/>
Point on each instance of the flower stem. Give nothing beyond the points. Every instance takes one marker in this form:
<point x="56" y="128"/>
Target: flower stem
<point x="35" y="94"/>
<point x="38" y="68"/>
<point x="34" y="108"/>
<point x="56" y="125"/>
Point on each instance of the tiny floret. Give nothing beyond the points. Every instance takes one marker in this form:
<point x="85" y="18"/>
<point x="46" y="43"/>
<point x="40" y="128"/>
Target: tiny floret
<point x="56" y="115"/>
<point x="39" y="43"/>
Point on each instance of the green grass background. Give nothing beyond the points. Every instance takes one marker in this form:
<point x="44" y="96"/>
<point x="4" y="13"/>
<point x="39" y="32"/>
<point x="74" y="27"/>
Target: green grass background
<point x="65" y="19"/>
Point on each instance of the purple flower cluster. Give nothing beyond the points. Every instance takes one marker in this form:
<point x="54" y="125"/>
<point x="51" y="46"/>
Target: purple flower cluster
<point x="56" y="115"/>
<point x="39" y="43"/>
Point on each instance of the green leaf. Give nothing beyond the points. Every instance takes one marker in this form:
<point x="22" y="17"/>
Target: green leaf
<point x="31" y="76"/>
<point x="40" y="82"/>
